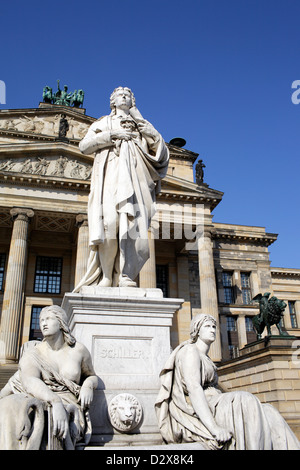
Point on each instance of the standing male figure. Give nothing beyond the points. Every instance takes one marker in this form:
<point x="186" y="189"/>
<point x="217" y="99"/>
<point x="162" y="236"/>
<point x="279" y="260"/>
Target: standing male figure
<point x="131" y="158"/>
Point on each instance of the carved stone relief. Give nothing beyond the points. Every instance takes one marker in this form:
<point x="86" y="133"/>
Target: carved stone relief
<point x="61" y="167"/>
<point x="46" y="125"/>
<point x="125" y="412"/>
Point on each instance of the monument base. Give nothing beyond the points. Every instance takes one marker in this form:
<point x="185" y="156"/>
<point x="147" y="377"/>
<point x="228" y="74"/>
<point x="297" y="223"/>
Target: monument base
<point x="268" y="368"/>
<point x="127" y="331"/>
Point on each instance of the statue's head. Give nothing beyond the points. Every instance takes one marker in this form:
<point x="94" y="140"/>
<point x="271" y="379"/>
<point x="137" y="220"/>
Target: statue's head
<point x="116" y="93"/>
<point x="197" y="323"/>
<point x="62" y="319"/>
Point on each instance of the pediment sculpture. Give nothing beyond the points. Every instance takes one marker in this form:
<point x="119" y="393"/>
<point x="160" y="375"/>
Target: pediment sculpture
<point x="61" y="167"/>
<point x="43" y="125"/>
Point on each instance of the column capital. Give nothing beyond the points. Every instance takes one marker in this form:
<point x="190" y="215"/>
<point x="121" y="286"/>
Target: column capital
<point x="81" y="219"/>
<point x="21" y="213"/>
<point x="209" y="232"/>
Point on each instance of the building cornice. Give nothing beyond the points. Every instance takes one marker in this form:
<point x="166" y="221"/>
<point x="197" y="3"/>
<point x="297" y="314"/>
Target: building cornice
<point x="285" y="272"/>
<point x="237" y="236"/>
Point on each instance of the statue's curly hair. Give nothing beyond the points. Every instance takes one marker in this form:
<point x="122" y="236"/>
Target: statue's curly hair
<point x="112" y="98"/>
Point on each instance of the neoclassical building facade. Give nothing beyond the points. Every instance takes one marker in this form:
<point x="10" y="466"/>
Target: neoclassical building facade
<point x="44" y="186"/>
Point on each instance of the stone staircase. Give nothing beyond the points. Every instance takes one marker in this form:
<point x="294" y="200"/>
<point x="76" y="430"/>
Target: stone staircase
<point x="6" y="371"/>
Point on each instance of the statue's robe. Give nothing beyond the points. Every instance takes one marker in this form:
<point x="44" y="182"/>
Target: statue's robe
<point x="254" y="426"/>
<point x="126" y="175"/>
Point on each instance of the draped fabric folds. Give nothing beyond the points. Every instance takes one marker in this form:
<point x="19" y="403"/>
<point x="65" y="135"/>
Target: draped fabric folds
<point x="254" y="426"/>
<point x="68" y="391"/>
<point x="125" y="178"/>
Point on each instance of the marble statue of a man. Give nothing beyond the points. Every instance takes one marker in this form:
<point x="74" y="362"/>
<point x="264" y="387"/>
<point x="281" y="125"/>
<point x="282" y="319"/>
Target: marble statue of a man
<point x="131" y="158"/>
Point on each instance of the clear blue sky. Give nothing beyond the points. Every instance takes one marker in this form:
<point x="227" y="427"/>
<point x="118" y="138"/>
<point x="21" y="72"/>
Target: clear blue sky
<point x="216" y="72"/>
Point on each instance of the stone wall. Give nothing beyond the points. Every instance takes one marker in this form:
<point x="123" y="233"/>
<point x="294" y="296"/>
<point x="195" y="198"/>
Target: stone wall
<point x="270" y="369"/>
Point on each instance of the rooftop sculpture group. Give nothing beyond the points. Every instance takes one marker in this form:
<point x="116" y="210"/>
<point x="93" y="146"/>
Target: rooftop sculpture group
<point x="63" y="97"/>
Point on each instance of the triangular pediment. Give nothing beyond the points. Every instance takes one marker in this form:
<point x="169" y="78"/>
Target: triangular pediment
<point x="181" y="153"/>
<point x="177" y="188"/>
<point x="42" y="124"/>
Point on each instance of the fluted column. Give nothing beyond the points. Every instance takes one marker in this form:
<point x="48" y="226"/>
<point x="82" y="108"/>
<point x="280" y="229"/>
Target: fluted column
<point x="208" y="288"/>
<point x="82" y="247"/>
<point x="13" y="297"/>
<point x="147" y="275"/>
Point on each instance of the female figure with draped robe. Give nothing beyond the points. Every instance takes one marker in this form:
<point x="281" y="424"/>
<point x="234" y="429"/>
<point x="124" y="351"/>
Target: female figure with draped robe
<point x="191" y="408"/>
<point x="57" y="374"/>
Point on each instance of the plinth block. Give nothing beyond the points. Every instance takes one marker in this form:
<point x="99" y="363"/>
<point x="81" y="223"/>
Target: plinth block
<point x="127" y="331"/>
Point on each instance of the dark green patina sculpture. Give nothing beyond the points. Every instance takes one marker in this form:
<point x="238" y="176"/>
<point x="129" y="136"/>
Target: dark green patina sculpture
<point x="62" y="97"/>
<point x="271" y="311"/>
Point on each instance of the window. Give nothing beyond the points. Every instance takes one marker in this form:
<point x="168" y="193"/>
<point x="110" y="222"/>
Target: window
<point x="48" y="273"/>
<point x="2" y="269"/>
<point x="292" y="310"/>
<point x="231" y="323"/>
<point x="250" y="331"/>
<point x="229" y="297"/>
<point x="233" y="351"/>
<point x="35" y="332"/>
<point x="246" y="289"/>
<point x="162" y="278"/>
<point x="232" y="334"/>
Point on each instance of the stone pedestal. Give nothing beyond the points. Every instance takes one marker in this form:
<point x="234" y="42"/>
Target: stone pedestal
<point x="270" y="369"/>
<point x="127" y="331"/>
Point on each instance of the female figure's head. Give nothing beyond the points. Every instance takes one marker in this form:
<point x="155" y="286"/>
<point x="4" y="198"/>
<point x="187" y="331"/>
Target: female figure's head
<point x="54" y="318"/>
<point x="203" y="326"/>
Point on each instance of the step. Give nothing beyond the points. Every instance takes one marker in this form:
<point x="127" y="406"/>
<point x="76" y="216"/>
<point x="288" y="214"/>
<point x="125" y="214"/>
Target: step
<point x="6" y="372"/>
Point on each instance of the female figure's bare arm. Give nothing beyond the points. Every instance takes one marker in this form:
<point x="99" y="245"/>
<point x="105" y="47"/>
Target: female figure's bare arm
<point x="90" y="379"/>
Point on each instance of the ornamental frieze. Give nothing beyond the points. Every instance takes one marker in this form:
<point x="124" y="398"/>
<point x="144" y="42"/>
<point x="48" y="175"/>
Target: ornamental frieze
<point x="44" y="125"/>
<point x="61" y="167"/>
